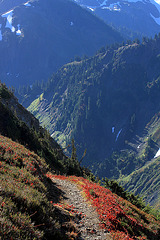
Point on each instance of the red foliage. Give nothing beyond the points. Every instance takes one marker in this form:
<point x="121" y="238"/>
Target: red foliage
<point x="114" y="212"/>
<point x="49" y="175"/>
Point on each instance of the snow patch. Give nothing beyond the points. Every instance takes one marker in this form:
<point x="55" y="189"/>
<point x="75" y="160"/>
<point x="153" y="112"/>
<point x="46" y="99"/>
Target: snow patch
<point x="8" y="15"/>
<point x="90" y="8"/>
<point x="157" y="1"/>
<point x="27" y="4"/>
<point x="18" y="32"/>
<point x="156" y="4"/>
<point x="118" y="134"/>
<point x="157" y="20"/>
<point x="114" y="7"/>
<point x="157" y="154"/>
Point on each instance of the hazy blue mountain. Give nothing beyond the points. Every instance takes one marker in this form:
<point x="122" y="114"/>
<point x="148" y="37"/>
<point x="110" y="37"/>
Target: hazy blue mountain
<point x="37" y="37"/>
<point x="134" y="18"/>
<point x="6" y="5"/>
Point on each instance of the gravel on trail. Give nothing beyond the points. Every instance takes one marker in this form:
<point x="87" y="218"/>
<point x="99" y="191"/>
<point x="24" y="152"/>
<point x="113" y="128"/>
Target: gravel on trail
<point x="88" y="226"/>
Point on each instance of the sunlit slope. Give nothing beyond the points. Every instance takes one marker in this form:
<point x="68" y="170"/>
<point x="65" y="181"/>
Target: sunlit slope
<point x="26" y="212"/>
<point x="103" y="102"/>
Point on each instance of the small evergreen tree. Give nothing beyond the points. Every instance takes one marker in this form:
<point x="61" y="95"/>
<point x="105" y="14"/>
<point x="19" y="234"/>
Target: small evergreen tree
<point x="74" y="151"/>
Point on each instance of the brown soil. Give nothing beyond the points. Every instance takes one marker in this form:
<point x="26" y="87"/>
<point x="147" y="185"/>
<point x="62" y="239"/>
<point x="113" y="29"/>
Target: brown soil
<point x="87" y="226"/>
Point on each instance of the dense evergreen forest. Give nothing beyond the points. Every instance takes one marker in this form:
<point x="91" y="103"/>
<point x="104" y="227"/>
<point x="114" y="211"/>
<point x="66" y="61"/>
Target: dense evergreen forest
<point x="31" y="202"/>
<point x="106" y="103"/>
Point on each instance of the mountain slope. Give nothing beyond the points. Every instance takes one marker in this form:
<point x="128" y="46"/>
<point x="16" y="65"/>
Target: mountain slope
<point x="38" y="37"/>
<point x="6" y="5"/>
<point x="20" y="125"/>
<point x="145" y="181"/>
<point x="118" y="217"/>
<point x="132" y="18"/>
<point x="102" y="101"/>
<point x="26" y="193"/>
<point x="106" y="103"/>
<point x="38" y="209"/>
<point x="24" y="199"/>
<point x="33" y="199"/>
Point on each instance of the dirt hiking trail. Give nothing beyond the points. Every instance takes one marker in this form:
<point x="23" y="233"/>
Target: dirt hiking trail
<point x="88" y="226"/>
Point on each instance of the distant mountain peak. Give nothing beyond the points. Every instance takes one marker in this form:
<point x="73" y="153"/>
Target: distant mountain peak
<point x="138" y="18"/>
<point x="9" y="15"/>
<point x="49" y="33"/>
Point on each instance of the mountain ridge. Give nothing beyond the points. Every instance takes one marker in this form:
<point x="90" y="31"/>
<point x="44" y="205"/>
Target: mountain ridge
<point x="133" y="18"/>
<point x="105" y="103"/>
<point x="33" y="198"/>
<point x="38" y="38"/>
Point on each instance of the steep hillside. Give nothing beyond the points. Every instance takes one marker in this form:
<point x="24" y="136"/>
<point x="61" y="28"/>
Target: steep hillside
<point x="20" y="125"/>
<point x="37" y="204"/>
<point x="119" y="217"/>
<point x="132" y="18"/>
<point x="26" y="211"/>
<point x="38" y="37"/>
<point x="34" y="207"/>
<point x="103" y="101"/>
<point x="145" y="181"/>
<point x="106" y="104"/>
<point x="6" y="5"/>
<point x="26" y="193"/>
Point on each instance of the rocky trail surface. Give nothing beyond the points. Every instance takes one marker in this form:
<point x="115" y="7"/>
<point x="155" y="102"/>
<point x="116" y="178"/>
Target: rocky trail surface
<point x="88" y="227"/>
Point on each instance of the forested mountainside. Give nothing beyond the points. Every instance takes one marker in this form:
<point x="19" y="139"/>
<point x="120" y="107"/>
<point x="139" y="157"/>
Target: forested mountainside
<point x="105" y="103"/>
<point x="132" y="18"/>
<point x="27" y="195"/>
<point x="33" y="201"/>
<point x="20" y="125"/>
<point x="145" y="181"/>
<point x="38" y="37"/>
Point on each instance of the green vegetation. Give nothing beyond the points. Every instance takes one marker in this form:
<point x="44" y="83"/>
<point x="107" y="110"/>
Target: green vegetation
<point x="85" y="99"/>
<point x="145" y="181"/>
<point x="60" y="138"/>
<point x="4" y="93"/>
<point x="134" y="199"/>
<point x="27" y="195"/>
<point x="26" y="211"/>
<point x="121" y="218"/>
<point x="37" y="140"/>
